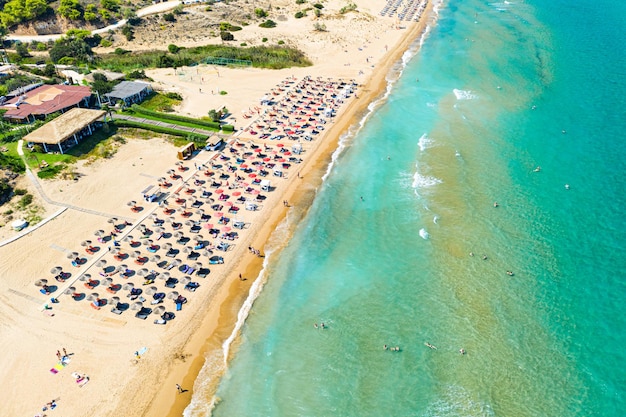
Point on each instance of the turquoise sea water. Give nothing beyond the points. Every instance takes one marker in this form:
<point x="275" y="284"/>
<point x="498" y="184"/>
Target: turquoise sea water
<point x="497" y="90"/>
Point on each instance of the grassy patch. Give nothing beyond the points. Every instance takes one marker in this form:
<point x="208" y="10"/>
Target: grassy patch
<point x="272" y="57"/>
<point x="160" y="102"/>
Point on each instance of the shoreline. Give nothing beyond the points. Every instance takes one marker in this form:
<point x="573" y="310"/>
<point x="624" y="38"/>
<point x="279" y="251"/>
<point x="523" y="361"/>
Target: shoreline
<point x="218" y="325"/>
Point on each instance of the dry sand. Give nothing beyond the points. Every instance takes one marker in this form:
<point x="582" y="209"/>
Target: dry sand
<point x="102" y="344"/>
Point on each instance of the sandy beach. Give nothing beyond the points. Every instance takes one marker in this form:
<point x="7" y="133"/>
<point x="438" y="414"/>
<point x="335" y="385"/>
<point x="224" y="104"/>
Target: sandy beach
<point x="133" y="365"/>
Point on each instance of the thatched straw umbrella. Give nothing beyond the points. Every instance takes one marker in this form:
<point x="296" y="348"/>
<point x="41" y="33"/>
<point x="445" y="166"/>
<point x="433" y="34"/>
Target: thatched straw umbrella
<point x="135" y="254"/>
<point x="172" y="294"/>
<point x="72" y="255"/>
<point x="69" y="291"/>
<point x="107" y="281"/>
<point x="159" y="310"/>
<point x="197" y="265"/>
<point x="167" y="246"/>
<point x="85" y="243"/>
<point x="56" y="270"/>
<point x="142" y="272"/>
<point x="112" y="220"/>
<point x="128" y="238"/>
<point x="41" y="282"/>
<point x="185" y="280"/>
<point x="155" y="258"/>
<point x="114" y="300"/>
<point x="151" y="290"/>
<point x="136" y="305"/>
<point x="128" y="286"/>
<point x="99" y="233"/>
<point x="178" y="235"/>
<point x="164" y="275"/>
<point x="177" y="262"/>
<point x="85" y="277"/>
<point x="93" y="296"/>
<point x="101" y="263"/>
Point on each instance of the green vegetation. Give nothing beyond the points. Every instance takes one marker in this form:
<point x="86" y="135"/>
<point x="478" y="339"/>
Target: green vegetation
<point x="162" y="102"/>
<point x="75" y="46"/>
<point x="169" y="17"/>
<point x="268" y="24"/>
<point x="260" y="13"/>
<point x="18" y="11"/>
<point x="172" y="48"/>
<point x="227" y="36"/>
<point x="350" y="7"/>
<point x="274" y="57"/>
<point x="71" y="9"/>
<point x="152" y="128"/>
<point x="174" y="118"/>
<point x="299" y="15"/>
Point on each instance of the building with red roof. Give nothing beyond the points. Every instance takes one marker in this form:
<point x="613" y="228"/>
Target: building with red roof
<point x="45" y="100"/>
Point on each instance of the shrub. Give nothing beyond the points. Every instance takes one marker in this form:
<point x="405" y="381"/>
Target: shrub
<point x="174" y="117"/>
<point x="260" y="13"/>
<point x="264" y="40"/>
<point x="268" y="24"/>
<point x="128" y="32"/>
<point x="227" y="36"/>
<point x="299" y="15"/>
<point x="318" y="6"/>
<point x="121" y="51"/>
<point x="281" y="42"/>
<point x="172" y="48"/>
<point x="317" y="12"/>
<point x="41" y="46"/>
<point x="243" y="44"/>
<point x="350" y="7"/>
<point x="300" y="1"/>
<point x="20" y="191"/>
<point x="105" y="43"/>
<point x="174" y="96"/>
<point x="319" y="27"/>
<point x="25" y="200"/>
<point x="169" y="17"/>
<point x="223" y="93"/>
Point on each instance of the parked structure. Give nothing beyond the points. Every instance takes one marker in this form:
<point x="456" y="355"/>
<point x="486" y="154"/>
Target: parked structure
<point x="129" y="92"/>
<point x="44" y="100"/>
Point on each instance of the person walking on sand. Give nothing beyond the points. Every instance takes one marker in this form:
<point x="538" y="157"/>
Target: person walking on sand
<point x="179" y="388"/>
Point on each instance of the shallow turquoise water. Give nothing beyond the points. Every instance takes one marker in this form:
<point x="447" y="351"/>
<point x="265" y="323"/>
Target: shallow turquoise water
<point x="457" y="133"/>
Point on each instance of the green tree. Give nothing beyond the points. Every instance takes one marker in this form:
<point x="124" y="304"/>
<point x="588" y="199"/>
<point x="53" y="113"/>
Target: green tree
<point x="91" y="13"/>
<point x="71" y="48"/>
<point x="173" y="48"/>
<point x="22" y="50"/>
<point x="70" y="9"/>
<point x="101" y="84"/>
<point x="112" y="5"/>
<point x="128" y="32"/>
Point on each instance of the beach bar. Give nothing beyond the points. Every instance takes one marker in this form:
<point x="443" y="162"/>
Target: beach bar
<point x="66" y="130"/>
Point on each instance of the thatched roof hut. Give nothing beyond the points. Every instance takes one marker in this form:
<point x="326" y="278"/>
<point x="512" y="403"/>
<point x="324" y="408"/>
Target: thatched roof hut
<point x="69" y="125"/>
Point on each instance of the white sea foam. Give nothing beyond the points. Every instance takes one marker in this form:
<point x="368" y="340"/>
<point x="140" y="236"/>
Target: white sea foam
<point x="436" y="219"/>
<point x="424" y="234"/>
<point x="464" y="94"/>
<point x="424" y="181"/>
<point x="457" y="402"/>
<point x="425" y="142"/>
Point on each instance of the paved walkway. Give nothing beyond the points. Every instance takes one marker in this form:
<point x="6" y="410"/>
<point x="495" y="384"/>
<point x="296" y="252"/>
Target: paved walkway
<point x="192" y="130"/>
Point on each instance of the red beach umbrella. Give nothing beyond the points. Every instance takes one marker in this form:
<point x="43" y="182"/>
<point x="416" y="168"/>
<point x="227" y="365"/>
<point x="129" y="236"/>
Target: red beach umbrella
<point x="236" y="194"/>
<point x="251" y="175"/>
<point x="219" y="214"/>
<point x="280" y="145"/>
<point x="219" y="191"/>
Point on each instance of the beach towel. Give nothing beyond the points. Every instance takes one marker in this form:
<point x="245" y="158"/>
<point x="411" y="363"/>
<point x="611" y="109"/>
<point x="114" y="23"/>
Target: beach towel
<point x="56" y="368"/>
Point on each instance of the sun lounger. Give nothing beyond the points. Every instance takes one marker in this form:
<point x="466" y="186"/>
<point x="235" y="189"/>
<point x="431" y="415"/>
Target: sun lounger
<point x="160" y="321"/>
